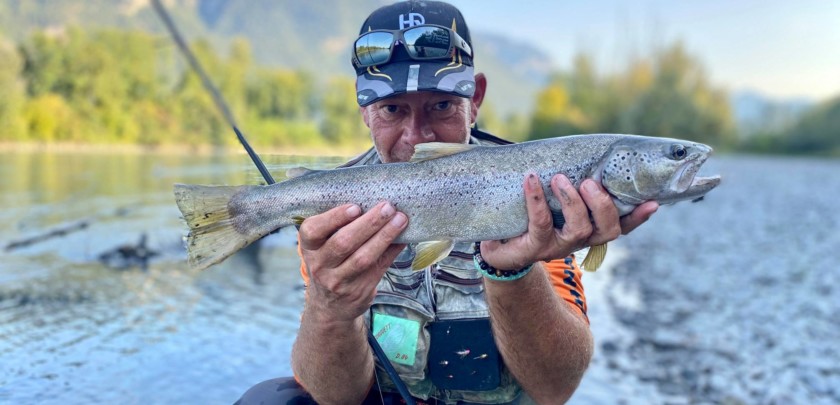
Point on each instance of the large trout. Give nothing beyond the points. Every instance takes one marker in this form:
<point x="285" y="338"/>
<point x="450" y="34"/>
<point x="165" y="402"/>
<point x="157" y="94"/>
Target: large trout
<point x="450" y="192"/>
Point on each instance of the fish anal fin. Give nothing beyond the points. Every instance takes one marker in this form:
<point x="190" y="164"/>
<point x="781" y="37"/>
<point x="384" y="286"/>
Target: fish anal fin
<point x="429" y="253"/>
<point x="433" y="150"/>
<point x="595" y="257"/>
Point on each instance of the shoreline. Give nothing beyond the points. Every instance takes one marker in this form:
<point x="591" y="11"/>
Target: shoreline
<point x="607" y="295"/>
<point x="203" y="150"/>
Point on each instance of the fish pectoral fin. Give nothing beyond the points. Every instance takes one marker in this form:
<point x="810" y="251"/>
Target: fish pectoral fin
<point x="298" y="220"/>
<point x="429" y="253"/>
<point x="595" y="257"/>
<point x="298" y="171"/>
<point x="433" y="150"/>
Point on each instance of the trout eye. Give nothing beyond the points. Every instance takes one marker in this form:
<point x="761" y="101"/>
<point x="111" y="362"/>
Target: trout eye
<point x="678" y="152"/>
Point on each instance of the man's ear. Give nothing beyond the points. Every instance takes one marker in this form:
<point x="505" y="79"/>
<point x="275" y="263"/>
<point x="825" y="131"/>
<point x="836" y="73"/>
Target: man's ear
<point x="478" y="96"/>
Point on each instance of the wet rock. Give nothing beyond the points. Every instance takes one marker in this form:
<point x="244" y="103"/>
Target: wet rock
<point x="129" y="256"/>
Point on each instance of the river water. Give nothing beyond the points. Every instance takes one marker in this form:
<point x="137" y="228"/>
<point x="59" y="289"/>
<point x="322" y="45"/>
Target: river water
<point x="97" y="304"/>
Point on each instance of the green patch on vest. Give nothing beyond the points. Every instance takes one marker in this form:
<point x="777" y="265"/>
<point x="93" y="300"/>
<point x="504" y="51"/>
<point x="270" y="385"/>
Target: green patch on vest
<point x="397" y="336"/>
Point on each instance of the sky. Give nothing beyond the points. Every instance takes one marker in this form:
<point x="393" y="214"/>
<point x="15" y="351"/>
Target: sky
<point x="782" y="49"/>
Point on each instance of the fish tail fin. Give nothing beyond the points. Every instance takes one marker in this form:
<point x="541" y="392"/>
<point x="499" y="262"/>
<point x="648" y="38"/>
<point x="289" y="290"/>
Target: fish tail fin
<point x="212" y="237"/>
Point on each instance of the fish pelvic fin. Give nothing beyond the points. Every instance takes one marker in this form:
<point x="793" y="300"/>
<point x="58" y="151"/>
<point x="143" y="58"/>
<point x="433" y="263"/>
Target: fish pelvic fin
<point x="212" y="237"/>
<point x="433" y="150"/>
<point x="429" y="253"/>
<point x="595" y="257"/>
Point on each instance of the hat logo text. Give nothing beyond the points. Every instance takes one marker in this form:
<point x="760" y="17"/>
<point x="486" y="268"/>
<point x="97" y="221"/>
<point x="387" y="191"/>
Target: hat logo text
<point x="413" y="19"/>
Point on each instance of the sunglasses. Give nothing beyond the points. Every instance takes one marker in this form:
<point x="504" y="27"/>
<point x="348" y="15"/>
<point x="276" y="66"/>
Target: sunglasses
<point x="422" y="42"/>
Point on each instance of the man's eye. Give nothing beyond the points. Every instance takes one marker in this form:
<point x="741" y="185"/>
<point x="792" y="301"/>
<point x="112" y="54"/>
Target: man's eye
<point x="443" y="105"/>
<point x="390" y="108"/>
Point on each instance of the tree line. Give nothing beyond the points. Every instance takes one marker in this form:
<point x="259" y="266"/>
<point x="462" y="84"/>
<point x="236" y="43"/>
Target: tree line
<point x="130" y="87"/>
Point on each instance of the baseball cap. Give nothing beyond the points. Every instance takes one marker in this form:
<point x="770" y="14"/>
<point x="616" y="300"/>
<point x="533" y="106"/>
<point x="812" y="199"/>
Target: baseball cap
<point x="402" y="74"/>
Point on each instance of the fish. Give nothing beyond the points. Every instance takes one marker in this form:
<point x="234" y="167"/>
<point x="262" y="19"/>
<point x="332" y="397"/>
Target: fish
<point x="450" y="192"/>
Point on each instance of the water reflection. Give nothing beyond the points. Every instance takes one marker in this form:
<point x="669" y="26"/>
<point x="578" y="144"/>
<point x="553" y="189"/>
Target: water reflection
<point x="77" y="329"/>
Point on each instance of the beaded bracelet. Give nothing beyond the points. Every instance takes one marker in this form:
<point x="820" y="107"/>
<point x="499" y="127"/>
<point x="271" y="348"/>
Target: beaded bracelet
<point x="493" y="273"/>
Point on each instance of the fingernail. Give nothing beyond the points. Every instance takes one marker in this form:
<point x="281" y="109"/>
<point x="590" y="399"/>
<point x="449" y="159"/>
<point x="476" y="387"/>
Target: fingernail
<point x="533" y="179"/>
<point x="398" y="220"/>
<point x="353" y="211"/>
<point x="591" y="187"/>
<point x="387" y="210"/>
<point x="562" y="181"/>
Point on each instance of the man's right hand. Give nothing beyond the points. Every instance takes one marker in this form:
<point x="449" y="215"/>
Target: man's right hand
<point x="346" y="254"/>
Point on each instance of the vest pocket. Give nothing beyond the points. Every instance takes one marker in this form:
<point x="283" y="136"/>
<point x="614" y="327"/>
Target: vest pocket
<point x="399" y="324"/>
<point x="457" y="297"/>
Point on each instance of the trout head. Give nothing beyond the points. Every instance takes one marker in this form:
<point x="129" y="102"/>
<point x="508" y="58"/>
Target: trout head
<point x="639" y="169"/>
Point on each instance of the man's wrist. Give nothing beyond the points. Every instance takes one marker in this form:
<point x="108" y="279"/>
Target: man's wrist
<point x="492" y="273"/>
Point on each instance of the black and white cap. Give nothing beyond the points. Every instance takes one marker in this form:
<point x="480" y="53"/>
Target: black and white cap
<point x="403" y="74"/>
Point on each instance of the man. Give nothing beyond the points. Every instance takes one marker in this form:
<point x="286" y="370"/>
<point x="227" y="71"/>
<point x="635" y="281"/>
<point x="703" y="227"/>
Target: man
<point x="416" y="84"/>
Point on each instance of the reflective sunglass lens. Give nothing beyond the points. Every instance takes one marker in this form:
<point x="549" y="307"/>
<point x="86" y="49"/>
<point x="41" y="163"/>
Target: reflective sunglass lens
<point x="374" y="48"/>
<point x="427" y="42"/>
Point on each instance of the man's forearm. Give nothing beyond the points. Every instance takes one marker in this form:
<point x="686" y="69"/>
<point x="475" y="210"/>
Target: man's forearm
<point x="546" y="346"/>
<point x="333" y="360"/>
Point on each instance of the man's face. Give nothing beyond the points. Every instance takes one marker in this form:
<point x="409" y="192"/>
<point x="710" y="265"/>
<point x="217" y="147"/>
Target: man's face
<point x="398" y="123"/>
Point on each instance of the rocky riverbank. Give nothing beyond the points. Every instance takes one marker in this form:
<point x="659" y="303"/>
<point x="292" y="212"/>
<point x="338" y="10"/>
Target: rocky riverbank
<point x="734" y="300"/>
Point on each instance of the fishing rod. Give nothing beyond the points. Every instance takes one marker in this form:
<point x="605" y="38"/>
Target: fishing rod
<point x="222" y="106"/>
<point x="214" y="92"/>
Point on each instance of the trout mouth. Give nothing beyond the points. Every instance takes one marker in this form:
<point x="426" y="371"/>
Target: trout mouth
<point x="686" y="184"/>
<point x="701" y="185"/>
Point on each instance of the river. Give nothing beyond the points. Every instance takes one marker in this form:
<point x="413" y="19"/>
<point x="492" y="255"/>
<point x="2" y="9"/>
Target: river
<point x="731" y="299"/>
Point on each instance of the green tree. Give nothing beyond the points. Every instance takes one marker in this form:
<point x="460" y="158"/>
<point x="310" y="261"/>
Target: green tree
<point x="341" y="123"/>
<point x="680" y="103"/>
<point x="11" y="93"/>
<point x="817" y="132"/>
<point x="555" y="115"/>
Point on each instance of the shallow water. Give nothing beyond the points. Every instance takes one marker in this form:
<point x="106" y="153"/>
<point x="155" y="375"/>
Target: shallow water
<point x="76" y="329"/>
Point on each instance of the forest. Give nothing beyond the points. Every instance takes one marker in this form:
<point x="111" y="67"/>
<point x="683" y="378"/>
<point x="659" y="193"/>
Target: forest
<point x="111" y="87"/>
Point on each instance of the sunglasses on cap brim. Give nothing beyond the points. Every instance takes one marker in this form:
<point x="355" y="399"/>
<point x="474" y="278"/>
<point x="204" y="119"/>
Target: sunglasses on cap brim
<point x="423" y="42"/>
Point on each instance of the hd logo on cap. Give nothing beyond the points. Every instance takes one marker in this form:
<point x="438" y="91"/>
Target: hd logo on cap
<point x="412" y="20"/>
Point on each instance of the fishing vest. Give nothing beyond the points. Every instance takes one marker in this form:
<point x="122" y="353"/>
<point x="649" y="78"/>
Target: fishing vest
<point x="414" y="313"/>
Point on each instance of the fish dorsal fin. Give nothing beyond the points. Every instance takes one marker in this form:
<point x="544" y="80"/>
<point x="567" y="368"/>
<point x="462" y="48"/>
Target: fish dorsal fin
<point x="298" y="171"/>
<point x="434" y="150"/>
<point x="595" y="257"/>
<point x="429" y="253"/>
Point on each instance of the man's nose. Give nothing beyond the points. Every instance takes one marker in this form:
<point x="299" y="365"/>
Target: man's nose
<point x="418" y="129"/>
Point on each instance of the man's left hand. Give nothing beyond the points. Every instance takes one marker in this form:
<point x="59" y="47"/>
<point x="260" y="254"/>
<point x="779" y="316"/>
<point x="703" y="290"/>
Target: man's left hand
<point x="543" y="242"/>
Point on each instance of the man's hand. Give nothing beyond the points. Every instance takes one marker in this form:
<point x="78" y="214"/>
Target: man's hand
<point x="346" y="254"/>
<point x="543" y="242"/>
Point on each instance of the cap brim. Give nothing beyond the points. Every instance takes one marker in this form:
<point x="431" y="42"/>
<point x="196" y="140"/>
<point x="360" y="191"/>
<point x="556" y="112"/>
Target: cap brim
<point x="378" y="82"/>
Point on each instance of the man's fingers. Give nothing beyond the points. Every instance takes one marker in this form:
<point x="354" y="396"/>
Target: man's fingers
<point x="540" y="226"/>
<point x="577" y="227"/>
<point x="315" y="230"/>
<point x="349" y="238"/>
<point x="604" y="213"/>
<point x="639" y="216"/>
<point x="377" y="251"/>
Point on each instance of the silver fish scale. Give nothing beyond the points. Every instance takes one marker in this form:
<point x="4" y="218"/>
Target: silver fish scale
<point x="475" y="195"/>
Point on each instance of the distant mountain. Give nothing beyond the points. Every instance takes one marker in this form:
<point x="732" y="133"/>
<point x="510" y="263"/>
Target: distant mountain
<point x="515" y="71"/>
<point x="756" y="113"/>
<point x="310" y="35"/>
